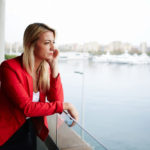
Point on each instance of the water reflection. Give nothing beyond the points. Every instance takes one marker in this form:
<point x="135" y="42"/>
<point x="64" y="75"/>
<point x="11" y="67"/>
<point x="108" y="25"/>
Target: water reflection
<point x="117" y="105"/>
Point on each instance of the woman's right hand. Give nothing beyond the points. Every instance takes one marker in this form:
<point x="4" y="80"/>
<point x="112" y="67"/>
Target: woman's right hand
<point x="71" y="110"/>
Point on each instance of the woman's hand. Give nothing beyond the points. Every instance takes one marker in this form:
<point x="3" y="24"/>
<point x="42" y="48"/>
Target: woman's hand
<point x="71" y="110"/>
<point x="53" y="62"/>
<point x="54" y="57"/>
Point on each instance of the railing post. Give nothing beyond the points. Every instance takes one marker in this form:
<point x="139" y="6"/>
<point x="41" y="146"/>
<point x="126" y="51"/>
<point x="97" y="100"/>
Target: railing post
<point x="2" y="29"/>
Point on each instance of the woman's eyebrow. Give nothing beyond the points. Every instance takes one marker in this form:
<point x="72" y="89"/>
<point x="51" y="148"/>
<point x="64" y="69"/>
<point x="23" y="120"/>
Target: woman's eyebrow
<point x="50" y="41"/>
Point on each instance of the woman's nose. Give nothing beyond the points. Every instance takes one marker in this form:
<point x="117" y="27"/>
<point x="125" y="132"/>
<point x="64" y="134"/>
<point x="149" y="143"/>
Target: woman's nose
<point x="51" y="46"/>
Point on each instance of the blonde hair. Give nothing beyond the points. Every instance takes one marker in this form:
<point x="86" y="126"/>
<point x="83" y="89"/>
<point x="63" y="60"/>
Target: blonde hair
<point x="31" y="35"/>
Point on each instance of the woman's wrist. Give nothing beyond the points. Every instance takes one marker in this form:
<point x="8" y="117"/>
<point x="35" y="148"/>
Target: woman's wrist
<point x="71" y="110"/>
<point x="66" y="106"/>
<point x="53" y="63"/>
<point x="54" y="69"/>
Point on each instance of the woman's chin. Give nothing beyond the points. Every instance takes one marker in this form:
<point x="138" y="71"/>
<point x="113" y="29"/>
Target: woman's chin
<point x="49" y="58"/>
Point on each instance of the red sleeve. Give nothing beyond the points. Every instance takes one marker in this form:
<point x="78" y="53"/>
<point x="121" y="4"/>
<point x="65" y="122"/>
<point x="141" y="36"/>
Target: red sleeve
<point x="15" y="91"/>
<point x="56" y="90"/>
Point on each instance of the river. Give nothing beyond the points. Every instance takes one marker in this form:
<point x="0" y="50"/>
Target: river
<point x="115" y="100"/>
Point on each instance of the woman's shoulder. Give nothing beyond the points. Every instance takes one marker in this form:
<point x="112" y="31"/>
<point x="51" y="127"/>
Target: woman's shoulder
<point x="14" y="63"/>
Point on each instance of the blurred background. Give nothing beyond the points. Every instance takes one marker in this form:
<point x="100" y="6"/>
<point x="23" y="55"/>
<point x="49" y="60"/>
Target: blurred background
<point x="104" y="61"/>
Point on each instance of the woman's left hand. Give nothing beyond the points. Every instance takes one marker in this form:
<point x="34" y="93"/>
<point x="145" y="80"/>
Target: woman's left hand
<point x="53" y="58"/>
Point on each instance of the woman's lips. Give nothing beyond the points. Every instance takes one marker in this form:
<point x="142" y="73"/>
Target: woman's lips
<point x="51" y="53"/>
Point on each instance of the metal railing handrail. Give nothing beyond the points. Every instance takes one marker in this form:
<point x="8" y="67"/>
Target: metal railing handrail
<point x="84" y="129"/>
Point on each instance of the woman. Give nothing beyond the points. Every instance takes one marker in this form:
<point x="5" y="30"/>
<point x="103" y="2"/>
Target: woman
<point x="30" y="90"/>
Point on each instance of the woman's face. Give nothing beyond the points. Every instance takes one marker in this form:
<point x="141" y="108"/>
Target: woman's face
<point x="44" y="46"/>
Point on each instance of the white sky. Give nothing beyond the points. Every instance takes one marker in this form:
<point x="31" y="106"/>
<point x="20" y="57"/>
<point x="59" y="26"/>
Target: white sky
<point x="79" y="21"/>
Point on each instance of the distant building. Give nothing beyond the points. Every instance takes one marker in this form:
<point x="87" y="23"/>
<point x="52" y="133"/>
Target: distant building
<point x="13" y="48"/>
<point x="115" y="47"/>
<point x="91" y="46"/>
<point x="127" y="47"/>
<point x="143" y="47"/>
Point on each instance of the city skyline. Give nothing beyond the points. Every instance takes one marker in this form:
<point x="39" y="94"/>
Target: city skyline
<point x="117" y="46"/>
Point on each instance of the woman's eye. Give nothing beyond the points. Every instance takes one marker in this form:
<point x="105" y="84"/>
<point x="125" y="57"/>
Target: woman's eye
<point x="50" y="42"/>
<point x="46" y="43"/>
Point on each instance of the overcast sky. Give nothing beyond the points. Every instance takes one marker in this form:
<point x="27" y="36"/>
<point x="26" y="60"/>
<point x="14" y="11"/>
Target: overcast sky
<point x="79" y="21"/>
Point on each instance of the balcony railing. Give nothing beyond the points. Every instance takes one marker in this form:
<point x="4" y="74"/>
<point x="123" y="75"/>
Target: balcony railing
<point x="71" y="138"/>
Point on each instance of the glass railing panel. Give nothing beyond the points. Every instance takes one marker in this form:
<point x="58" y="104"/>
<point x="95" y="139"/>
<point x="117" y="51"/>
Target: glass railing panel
<point x="52" y="125"/>
<point x="74" y="138"/>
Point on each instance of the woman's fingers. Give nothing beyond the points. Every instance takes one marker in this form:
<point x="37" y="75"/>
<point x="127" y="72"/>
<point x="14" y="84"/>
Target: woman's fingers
<point x="72" y="111"/>
<point x="74" y="114"/>
<point x="55" y="53"/>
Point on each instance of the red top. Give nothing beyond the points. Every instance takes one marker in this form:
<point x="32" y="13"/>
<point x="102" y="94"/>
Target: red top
<point x="16" y="93"/>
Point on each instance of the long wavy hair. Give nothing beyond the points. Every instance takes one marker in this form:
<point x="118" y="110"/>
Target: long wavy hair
<point x="31" y="35"/>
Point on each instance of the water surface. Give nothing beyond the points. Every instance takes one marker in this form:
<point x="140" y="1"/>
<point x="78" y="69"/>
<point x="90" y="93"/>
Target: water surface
<point x="115" y="100"/>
